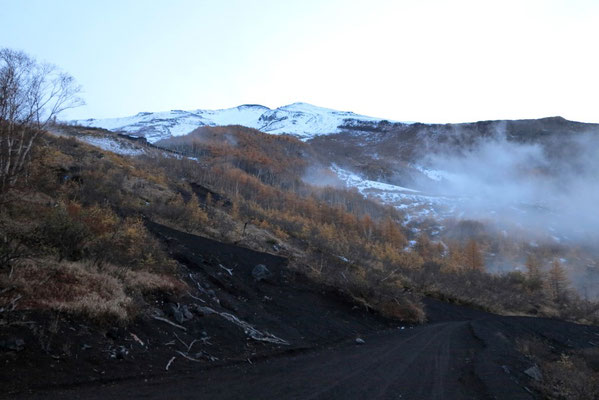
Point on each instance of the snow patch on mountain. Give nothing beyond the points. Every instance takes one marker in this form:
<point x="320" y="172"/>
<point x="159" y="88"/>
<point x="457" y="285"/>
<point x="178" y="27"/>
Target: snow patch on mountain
<point x="433" y="174"/>
<point x="363" y="185"/>
<point x="417" y="205"/>
<point x="300" y="119"/>
<point x="114" y="146"/>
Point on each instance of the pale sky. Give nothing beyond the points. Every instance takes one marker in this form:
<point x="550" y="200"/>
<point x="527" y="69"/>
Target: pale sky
<point x="417" y="60"/>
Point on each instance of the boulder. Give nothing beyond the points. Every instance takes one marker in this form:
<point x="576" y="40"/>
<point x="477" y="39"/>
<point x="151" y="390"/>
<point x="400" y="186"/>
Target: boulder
<point x="176" y="314"/>
<point x="535" y="373"/>
<point x="186" y="313"/>
<point x="180" y="313"/>
<point x="260" y="272"/>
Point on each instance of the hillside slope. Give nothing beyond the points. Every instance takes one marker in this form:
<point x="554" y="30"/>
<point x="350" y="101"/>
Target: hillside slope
<point x="132" y="261"/>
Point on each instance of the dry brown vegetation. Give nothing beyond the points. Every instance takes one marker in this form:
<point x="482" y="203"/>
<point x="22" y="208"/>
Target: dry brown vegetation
<point x="107" y="294"/>
<point x="83" y="206"/>
<point x="573" y="375"/>
<point x="72" y="240"/>
<point x="363" y="242"/>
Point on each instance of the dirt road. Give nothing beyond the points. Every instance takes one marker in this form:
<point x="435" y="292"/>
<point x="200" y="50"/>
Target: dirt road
<point x="445" y="360"/>
<point x="431" y="362"/>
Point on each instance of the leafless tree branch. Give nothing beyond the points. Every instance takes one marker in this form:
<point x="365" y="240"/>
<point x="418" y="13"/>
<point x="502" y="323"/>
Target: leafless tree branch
<point x="32" y="94"/>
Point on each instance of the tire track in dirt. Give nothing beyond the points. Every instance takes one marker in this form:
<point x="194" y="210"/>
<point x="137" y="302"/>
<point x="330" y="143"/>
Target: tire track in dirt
<point x="424" y="362"/>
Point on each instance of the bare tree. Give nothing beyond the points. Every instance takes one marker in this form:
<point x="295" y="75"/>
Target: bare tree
<point x="32" y="94"/>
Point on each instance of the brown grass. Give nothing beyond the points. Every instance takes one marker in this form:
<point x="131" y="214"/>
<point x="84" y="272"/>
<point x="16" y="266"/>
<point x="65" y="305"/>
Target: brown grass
<point x="104" y="294"/>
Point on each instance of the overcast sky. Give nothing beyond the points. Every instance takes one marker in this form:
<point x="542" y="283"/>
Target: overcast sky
<point x="429" y="61"/>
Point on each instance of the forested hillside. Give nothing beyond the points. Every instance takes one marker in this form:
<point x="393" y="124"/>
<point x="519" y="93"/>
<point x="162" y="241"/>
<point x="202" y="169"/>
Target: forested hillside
<point x="81" y="212"/>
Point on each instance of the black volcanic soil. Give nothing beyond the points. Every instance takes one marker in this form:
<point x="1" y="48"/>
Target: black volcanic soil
<point x="459" y="354"/>
<point x="62" y="351"/>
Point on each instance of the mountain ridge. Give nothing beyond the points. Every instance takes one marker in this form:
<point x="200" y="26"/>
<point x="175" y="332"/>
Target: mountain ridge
<point x="300" y="119"/>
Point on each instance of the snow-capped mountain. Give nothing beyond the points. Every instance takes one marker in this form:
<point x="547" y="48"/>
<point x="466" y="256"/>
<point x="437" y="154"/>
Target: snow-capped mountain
<point x="299" y="119"/>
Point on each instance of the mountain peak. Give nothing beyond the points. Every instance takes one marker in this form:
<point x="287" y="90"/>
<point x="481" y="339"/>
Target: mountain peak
<point x="305" y="107"/>
<point x="253" y="106"/>
<point x="301" y="119"/>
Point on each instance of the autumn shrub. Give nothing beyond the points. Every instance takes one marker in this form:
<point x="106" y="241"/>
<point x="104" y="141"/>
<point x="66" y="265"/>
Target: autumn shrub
<point x="569" y="377"/>
<point x="497" y="293"/>
<point x="189" y="216"/>
<point x="14" y="239"/>
<point x="581" y="310"/>
<point x="402" y="309"/>
<point x="131" y="245"/>
<point x="65" y="233"/>
<point x="564" y="376"/>
<point x="96" y="233"/>
<point x="377" y="290"/>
